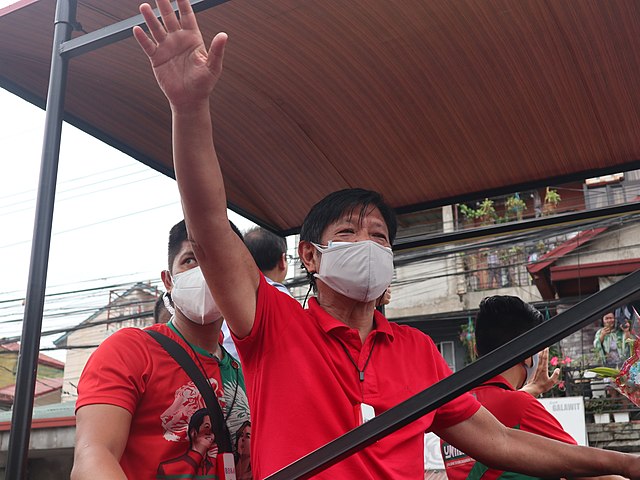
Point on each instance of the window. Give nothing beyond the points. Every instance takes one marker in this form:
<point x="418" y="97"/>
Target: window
<point x="448" y="351"/>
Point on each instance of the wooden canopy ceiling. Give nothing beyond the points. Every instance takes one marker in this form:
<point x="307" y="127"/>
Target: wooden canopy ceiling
<point x="427" y="101"/>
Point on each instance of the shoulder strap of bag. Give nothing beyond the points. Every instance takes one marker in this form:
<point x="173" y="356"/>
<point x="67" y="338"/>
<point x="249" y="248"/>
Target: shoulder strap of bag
<point x="179" y="354"/>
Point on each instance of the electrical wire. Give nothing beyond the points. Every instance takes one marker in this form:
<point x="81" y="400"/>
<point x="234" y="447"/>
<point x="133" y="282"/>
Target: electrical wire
<point x="102" y="222"/>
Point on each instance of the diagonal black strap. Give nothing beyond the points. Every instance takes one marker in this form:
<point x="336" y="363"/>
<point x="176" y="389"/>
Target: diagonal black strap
<point x="180" y="355"/>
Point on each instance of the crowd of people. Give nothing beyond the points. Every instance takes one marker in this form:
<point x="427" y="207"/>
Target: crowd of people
<point x="302" y="376"/>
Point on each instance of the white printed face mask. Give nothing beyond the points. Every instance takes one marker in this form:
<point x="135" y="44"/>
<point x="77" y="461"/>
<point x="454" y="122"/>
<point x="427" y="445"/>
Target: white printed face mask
<point x="361" y="271"/>
<point x="531" y="371"/>
<point x="192" y="297"/>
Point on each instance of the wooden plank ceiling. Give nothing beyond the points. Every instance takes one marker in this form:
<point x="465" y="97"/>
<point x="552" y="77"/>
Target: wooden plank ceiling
<point x="423" y="100"/>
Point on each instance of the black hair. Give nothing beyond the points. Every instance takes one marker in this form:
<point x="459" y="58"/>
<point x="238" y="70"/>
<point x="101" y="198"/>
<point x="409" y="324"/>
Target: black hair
<point x="265" y="247"/>
<point x="502" y="318"/>
<point x="159" y="310"/>
<point x="178" y="234"/>
<point x="336" y="204"/>
<point x="196" y="421"/>
<point x="615" y="318"/>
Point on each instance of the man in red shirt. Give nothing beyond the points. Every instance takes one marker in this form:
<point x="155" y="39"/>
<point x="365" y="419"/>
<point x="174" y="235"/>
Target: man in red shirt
<point x="138" y="413"/>
<point x="500" y="320"/>
<point x="314" y="374"/>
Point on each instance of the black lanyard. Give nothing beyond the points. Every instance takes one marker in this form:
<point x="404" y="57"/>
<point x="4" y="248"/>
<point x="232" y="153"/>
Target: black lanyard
<point x="233" y="363"/>
<point x="355" y="365"/>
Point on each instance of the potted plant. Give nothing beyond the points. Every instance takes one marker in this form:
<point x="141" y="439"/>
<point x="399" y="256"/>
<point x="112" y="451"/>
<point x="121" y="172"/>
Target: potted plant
<point x="621" y="417"/>
<point x="619" y="405"/>
<point x="469" y="214"/>
<point x="486" y="212"/>
<point x="551" y="200"/>
<point x="597" y="407"/>
<point x="515" y="206"/>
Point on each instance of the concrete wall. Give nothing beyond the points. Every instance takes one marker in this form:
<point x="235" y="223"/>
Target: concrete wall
<point x="50" y="453"/>
<point x="527" y="293"/>
<point x="623" y="437"/>
<point x="414" y="291"/>
<point x="427" y="287"/>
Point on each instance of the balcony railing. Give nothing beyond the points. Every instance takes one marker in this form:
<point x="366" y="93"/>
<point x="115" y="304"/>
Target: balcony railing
<point x="600" y="395"/>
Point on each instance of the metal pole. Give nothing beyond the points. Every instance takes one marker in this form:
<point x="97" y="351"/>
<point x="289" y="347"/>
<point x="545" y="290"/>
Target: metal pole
<point x="32" y="324"/>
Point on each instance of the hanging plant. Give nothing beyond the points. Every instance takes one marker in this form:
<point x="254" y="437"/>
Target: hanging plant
<point x="468" y="340"/>
<point x="515" y="206"/>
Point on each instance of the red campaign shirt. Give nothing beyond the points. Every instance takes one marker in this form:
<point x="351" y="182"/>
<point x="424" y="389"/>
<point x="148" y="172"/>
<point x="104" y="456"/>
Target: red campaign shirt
<point x="514" y="409"/>
<point x="304" y="391"/>
<point x="131" y="370"/>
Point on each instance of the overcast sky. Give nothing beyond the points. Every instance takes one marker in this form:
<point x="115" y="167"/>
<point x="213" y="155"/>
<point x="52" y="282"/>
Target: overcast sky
<point x="111" y="219"/>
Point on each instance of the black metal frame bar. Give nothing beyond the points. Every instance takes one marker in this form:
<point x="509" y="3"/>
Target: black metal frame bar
<point x="413" y="408"/>
<point x="119" y="31"/>
<point x="32" y="325"/>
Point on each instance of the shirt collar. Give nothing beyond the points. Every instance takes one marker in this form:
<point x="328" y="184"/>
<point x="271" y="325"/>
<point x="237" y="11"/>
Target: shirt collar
<point x="500" y="380"/>
<point x="330" y="324"/>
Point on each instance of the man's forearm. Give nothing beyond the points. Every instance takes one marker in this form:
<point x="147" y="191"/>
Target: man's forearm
<point x="485" y="439"/>
<point x="95" y="463"/>
<point x="197" y="170"/>
<point x="542" y="457"/>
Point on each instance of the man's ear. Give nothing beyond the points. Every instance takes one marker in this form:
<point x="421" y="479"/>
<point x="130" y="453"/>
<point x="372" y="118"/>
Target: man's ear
<point x="167" y="280"/>
<point x="309" y="256"/>
<point x="282" y="264"/>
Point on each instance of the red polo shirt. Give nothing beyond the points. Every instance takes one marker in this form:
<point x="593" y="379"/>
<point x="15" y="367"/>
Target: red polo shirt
<point x="514" y="409"/>
<point x="304" y="389"/>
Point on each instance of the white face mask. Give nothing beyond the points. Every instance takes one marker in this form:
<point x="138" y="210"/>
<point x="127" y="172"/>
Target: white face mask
<point x="531" y="371"/>
<point x="192" y="297"/>
<point x="361" y="271"/>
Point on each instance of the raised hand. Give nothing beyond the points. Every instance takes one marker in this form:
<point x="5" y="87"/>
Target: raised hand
<point x="184" y="69"/>
<point x="542" y="382"/>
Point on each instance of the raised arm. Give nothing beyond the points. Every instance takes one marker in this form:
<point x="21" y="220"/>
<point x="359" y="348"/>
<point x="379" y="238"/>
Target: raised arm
<point x="187" y="73"/>
<point x="513" y="450"/>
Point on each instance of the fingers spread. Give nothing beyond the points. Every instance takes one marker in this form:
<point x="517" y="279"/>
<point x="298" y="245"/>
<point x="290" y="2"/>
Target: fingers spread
<point x="153" y="24"/>
<point x="144" y="41"/>
<point x="187" y="17"/>
<point x="544" y="353"/>
<point x="168" y="16"/>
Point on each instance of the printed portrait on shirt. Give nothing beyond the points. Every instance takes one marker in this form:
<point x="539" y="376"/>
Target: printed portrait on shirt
<point x="187" y="421"/>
